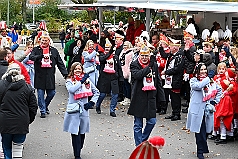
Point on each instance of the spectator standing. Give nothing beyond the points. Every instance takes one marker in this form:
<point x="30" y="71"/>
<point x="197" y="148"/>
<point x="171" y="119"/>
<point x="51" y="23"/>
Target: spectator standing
<point x="13" y="34"/>
<point x="62" y="35"/>
<point x="45" y="59"/>
<point x="3" y="62"/>
<point x="17" y="111"/>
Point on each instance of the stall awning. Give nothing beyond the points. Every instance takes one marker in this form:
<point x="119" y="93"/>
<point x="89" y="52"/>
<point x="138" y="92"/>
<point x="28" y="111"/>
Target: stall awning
<point x="203" y="6"/>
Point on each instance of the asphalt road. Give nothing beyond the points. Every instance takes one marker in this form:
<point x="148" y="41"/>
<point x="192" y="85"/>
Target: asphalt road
<point x="110" y="138"/>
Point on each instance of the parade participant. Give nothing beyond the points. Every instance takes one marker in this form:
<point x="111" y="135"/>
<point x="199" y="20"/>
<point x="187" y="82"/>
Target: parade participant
<point x="119" y="42"/>
<point x="173" y="76"/>
<point x="79" y="87"/>
<point x="75" y="52"/>
<point x="155" y="40"/>
<point x="223" y="115"/>
<point x="144" y="78"/>
<point x="41" y="29"/>
<point x="29" y="64"/>
<point x="11" y="60"/>
<point x="109" y="78"/>
<point x="204" y="96"/>
<point x="136" y="50"/>
<point x="67" y="45"/>
<point x="91" y="61"/>
<point x="208" y="48"/>
<point x="221" y="70"/>
<point x="3" y="61"/>
<point x="62" y="35"/>
<point x="13" y="34"/>
<point x="188" y="65"/>
<point x="5" y="41"/>
<point x="125" y="59"/>
<point x="17" y="111"/>
<point x="45" y="59"/>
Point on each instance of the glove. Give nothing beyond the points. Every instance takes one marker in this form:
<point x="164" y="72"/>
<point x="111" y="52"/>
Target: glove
<point x="96" y="49"/>
<point x="98" y="67"/>
<point x="85" y="77"/>
<point x="185" y="77"/>
<point x="9" y="78"/>
<point x="88" y="105"/>
<point x="211" y="74"/>
<point x="152" y="60"/>
<point x="213" y="102"/>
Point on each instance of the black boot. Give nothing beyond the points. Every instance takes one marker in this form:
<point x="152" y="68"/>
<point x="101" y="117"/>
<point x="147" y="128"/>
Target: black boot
<point x="98" y="110"/>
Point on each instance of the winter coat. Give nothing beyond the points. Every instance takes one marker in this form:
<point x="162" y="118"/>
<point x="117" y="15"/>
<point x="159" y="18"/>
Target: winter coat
<point x="108" y="82"/>
<point x="3" y="67"/>
<point x="125" y="62"/>
<point x="177" y="71"/>
<point x="75" y="121"/>
<point x="207" y="59"/>
<point x="130" y="32"/>
<point x="143" y="103"/>
<point x="62" y="35"/>
<point x="18" y="107"/>
<point x="197" y="105"/>
<point x="45" y="77"/>
<point x="189" y="65"/>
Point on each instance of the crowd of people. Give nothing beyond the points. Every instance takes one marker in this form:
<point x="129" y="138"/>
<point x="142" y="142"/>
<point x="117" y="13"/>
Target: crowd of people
<point x="145" y="76"/>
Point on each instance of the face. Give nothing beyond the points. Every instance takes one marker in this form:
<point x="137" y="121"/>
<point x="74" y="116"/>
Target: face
<point x="203" y="70"/>
<point x="164" y="45"/>
<point x="90" y="45"/>
<point x="118" y="41"/>
<point x="154" y="40"/>
<point x="107" y="49"/>
<point x="187" y="40"/>
<point x="45" y="42"/>
<point x="30" y="47"/>
<point x="207" y="48"/>
<point x="10" y="55"/>
<point x="78" y="70"/>
<point x="125" y="47"/>
<point x="4" y="33"/>
<point x="174" y="48"/>
<point x="144" y="58"/>
<point x="79" y="43"/>
<point x="102" y="34"/>
<point x="222" y="70"/>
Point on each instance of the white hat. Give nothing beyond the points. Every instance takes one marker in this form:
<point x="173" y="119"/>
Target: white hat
<point x="205" y="34"/>
<point x="191" y="29"/>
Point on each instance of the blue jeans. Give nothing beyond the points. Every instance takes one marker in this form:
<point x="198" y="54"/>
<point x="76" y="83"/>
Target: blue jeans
<point x="44" y="102"/>
<point x="113" y="103"/>
<point x="138" y="125"/>
<point x="7" y="140"/>
<point x="62" y="43"/>
<point x="127" y="89"/>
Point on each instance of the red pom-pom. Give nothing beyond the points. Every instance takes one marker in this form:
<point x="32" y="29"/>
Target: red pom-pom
<point x="157" y="141"/>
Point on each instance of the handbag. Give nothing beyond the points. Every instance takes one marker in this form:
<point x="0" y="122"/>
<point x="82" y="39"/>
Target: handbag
<point x="74" y="108"/>
<point x="89" y="69"/>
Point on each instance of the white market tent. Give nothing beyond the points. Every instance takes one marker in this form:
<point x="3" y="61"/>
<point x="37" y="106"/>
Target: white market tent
<point x="176" y="5"/>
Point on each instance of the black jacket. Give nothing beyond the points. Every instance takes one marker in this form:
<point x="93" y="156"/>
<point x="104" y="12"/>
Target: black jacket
<point x="62" y="35"/>
<point x="177" y="70"/>
<point x="3" y="67"/>
<point x="45" y="77"/>
<point x="143" y="103"/>
<point x="188" y="65"/>
<point x="109" y="82"/>
<point x="18" y="107"/>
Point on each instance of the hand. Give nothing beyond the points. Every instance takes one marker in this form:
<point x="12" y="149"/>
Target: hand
<point x="96" y="49"/>
<point x="88" y="105"/>
<point x="186" y="47"/>
<point x="85" y="77"/>
<point x="211" y="74"/>
<point x="213" y="102"/>
<point x="98" y="67"/>
<point x="152" y="60"/>
<point x="185" y="77"/>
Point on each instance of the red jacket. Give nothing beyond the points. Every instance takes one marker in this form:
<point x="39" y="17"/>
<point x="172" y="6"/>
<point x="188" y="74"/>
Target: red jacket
<point x="23" y="70"/>
<point x="130" y="32"/>
<point x="224" y="109"/>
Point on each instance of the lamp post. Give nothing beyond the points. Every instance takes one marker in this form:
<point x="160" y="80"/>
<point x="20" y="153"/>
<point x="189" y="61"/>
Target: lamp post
<point x="8" y="12"/>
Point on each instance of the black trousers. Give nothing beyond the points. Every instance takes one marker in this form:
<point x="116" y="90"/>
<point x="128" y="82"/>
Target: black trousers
<point x="201" y="139"/>
<point x="175" y="102"/>
<point x="77" y="142"/>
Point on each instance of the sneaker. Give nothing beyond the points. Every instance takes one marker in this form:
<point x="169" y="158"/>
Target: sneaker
<point x="113" y="114"/>
<point x="42" y="115"/>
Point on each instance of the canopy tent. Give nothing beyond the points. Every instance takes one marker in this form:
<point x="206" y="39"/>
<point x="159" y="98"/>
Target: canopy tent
<point x="204" y="6"/>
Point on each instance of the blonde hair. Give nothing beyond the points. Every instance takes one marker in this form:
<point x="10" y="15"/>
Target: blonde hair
<point x="222" y="64"/>
<point x="128" y="43"/>
<point x="72" y="68"/>
<point x="87" y="45"/>
<point x="28" y="43"/>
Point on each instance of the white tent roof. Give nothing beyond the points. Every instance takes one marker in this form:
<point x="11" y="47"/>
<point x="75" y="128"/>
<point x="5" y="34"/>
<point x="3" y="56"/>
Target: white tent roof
<point x="205" y="6"/>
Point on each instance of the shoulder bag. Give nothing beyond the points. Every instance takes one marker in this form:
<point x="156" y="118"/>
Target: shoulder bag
<point x="74" y="108"/>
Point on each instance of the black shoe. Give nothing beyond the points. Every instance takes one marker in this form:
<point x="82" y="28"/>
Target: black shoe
<point x="200" y="156"/>
<point x="162" y="112"/>
<point x="78" y="158"/>
<point x="42" y="115"/>
<point x="212" y="137"/>
<point x="47" y="111"/>
<point x="220" y="141"/>
<point x="113" y="114"/>
<point x="98" y="110"/>
<point x="184" y="104"/>
<point x="169" y="117"/>
<point x="230" y="138"/>
<point x="176" y="117"/>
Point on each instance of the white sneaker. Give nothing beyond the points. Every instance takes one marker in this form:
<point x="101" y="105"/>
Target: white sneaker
<point x="122" y="103"/>
<point x="127" y="101"/>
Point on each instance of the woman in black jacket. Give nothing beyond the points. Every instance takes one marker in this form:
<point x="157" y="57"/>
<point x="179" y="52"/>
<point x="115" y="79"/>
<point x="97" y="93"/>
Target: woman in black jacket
<point x="18" y="109"/>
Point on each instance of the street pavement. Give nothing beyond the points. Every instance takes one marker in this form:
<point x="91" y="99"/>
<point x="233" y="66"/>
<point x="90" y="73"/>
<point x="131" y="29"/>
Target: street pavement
<point x="110" y="138"/>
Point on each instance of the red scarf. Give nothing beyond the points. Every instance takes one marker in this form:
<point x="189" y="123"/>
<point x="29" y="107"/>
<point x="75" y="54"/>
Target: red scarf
<point x="202" y="77"/>
<point x="143" y="65"/>
<point x="77" y="77"/>
<point x="46" y="50"/>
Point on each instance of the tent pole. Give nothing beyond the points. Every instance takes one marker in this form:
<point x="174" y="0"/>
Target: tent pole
<point x="100" y="21"/>
<point x="148" y="20"/>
